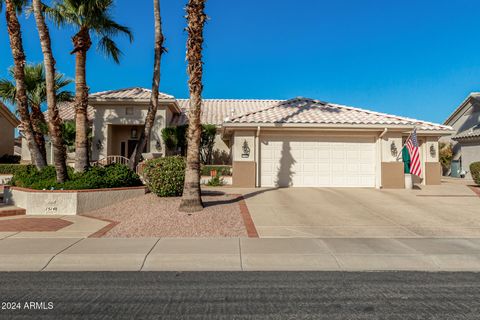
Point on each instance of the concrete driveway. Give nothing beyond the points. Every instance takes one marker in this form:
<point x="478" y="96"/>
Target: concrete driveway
<point x="450" y="210"/>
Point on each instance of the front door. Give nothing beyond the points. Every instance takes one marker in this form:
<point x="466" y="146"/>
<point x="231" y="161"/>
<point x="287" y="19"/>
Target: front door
<point x="131" y="147"/>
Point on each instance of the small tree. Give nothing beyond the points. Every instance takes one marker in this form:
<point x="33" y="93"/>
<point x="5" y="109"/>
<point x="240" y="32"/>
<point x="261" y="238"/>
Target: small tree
<point x="207" y="142"/>
<point x="175" y="139"/>
<point x="446" y="155"/>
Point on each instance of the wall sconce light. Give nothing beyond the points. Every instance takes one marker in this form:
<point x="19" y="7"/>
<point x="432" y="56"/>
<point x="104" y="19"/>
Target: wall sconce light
<point x="393" y="149"/>
<point x="134" y="133"/>
<point x="433" y="151"/>
<point x="246" y="149"/>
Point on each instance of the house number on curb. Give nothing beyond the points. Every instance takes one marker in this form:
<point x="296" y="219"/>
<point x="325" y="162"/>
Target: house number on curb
<point x="52" y="208"/>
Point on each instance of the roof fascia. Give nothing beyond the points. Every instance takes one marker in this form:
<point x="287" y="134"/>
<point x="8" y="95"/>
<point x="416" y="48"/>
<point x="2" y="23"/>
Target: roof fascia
<point x="456" y="114"/>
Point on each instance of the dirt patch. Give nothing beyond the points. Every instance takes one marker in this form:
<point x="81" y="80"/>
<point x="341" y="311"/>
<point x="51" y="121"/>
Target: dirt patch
<point x="151" y="216"/>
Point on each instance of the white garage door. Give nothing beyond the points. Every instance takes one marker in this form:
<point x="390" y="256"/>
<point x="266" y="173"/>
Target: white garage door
<point x="317" y="162"/>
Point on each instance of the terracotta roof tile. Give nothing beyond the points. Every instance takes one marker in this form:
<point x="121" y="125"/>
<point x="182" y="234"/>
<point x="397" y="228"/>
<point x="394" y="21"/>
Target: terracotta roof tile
<point x="309" y="111"/>
<point x="135" y="93"/>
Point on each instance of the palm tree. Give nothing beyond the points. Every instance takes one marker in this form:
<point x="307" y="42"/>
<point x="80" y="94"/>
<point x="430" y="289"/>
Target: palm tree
<point x="152" y="109"/>
<point x="16" y="45"/>
<point x="54" y="121"/>
<point x="87" y="16"/>
<point x="196" y="17"/>
<point x="36" y="91"/>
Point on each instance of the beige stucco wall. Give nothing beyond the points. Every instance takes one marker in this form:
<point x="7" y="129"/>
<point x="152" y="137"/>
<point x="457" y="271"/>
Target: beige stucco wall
<point x="108" y="116"/>
<point x="221" y="151"/>
<point x="239" y="138"/>
<point x="6" y="136"/>
<point x="67" y="202"/>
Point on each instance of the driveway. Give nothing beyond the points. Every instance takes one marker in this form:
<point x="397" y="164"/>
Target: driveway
<point x="449" y="210"/>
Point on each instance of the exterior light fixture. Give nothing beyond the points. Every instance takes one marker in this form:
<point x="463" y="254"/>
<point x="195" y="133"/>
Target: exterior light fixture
<point x="433" y="151"/>
<point x="245" y="149"/>
<point x="134" y="133"/>
<point x="393" y="149"/>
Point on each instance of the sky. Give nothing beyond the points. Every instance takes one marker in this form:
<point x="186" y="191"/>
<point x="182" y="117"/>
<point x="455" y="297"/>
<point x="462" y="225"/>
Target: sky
<point x="415" y="58"/>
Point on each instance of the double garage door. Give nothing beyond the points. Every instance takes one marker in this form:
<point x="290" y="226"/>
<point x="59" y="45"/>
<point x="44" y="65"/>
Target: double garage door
<point x="317" y="161"/>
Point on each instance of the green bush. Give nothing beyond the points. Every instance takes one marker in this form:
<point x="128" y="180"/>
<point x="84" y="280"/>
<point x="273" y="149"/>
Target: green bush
<point x="111" y="176"/>
<point x="216" y="181"/>
<point x="12" y="168"/>
<point x="475" y="172"/>
<point x="165" y="176"/>
<point x="221" y="170"/>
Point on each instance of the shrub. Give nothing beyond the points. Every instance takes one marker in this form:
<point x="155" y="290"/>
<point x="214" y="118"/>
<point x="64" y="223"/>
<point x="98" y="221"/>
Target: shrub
<point x="475" y="172"/>
<point x="221" y="170"/>
<point x="446" y="155"/>
<point x="216" y="181"/>
<point x="12" y="168"/>
<point x="111" y="176"/>
<point x="9" y="158"/>
<point x="165" y="176"/>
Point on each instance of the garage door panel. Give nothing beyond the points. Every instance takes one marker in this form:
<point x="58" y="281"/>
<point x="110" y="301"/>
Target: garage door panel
<point x="317" y="161"/>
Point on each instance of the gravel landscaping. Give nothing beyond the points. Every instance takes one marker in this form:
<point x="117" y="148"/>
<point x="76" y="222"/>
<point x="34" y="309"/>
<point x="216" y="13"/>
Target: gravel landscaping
<point x="151" y="216"/>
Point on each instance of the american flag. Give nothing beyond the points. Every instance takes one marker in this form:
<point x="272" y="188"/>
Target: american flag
<point x="412" y="146"/>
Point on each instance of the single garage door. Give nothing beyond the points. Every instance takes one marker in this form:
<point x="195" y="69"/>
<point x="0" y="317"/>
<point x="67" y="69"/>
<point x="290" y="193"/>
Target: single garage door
<point x="317" y="161"/>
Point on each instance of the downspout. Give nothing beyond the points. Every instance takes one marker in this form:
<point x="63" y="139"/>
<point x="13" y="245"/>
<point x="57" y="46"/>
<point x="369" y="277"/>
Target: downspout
<point x="379" y="147"/>
<point x="257" y="157"/>
<point x="383" y="133"/>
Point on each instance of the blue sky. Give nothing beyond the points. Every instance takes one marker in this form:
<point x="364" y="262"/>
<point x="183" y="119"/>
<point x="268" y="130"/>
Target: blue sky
<point x="418" y="58"/>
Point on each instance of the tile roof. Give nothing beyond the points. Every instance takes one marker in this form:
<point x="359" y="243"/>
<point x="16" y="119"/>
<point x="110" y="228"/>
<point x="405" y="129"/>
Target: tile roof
<point x="214" y="111"/>
<point x="67" y="111"/>
<point x="309" y="111"/>
<point x="135" y="93"/>
<point x="473" y="132"/>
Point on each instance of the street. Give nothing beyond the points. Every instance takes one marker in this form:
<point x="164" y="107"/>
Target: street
<point x="239" y="295"/>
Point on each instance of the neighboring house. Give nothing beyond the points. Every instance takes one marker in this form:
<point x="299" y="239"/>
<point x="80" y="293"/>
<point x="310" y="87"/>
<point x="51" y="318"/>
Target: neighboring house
<point x="299" y="142"/>
<point x="465" y="120"/>
<point x="8" y="123"/>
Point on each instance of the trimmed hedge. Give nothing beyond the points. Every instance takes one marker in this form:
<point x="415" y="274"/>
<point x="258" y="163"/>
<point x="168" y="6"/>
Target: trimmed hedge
<point x="111" y="176"/>
<point x="475" y="172"/>
<point x="165" y="176"/>
<point x="12" y="168"/>
<point x="221" y="170"/>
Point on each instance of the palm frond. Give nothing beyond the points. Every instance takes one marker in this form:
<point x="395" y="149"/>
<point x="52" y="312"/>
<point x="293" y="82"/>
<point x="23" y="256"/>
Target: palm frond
<point x="109" y="48"/>
<point x="8" y="91"/>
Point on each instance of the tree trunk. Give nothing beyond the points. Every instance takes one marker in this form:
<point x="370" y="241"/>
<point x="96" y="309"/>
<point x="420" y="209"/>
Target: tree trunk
<point x="54" y="121"/>
<point x="82" y="43"/>
<point x="152" y="110"/>
<point x="196" y="17"/>
<point x="15" y="35"/>
<point x="38" y="124"/>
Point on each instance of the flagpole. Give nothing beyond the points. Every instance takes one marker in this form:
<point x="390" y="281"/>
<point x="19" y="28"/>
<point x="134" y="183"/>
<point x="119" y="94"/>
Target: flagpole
<point x="406" y="140"/>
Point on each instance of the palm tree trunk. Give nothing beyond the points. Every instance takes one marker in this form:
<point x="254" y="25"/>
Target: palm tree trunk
<point x="38" y="124"/>
<point x="82" y="43"/>
<point x="15" y="35"/>
<point x="152" y="110"/>
<point x="196" y="17"/>
<point x="54" y="121"/>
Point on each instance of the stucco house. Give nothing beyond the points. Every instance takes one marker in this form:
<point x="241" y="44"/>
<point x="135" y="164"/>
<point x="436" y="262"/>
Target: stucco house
<point x="299" y="142"/>
<point x="465" y="120"/>
<point x="8" y="123"/>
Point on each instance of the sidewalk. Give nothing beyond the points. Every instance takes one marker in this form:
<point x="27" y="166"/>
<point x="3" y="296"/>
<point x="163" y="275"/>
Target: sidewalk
<point x="237" y="254"/>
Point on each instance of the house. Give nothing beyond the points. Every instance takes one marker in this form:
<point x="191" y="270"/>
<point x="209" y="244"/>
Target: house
<point x="8" y="123"/>
<point x="299" y="142"/>
<point x="465" y="120"/>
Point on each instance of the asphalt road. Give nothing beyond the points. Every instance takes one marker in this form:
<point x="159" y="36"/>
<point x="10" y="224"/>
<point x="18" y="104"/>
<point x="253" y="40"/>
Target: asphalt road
<point x="241" y="295"/>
